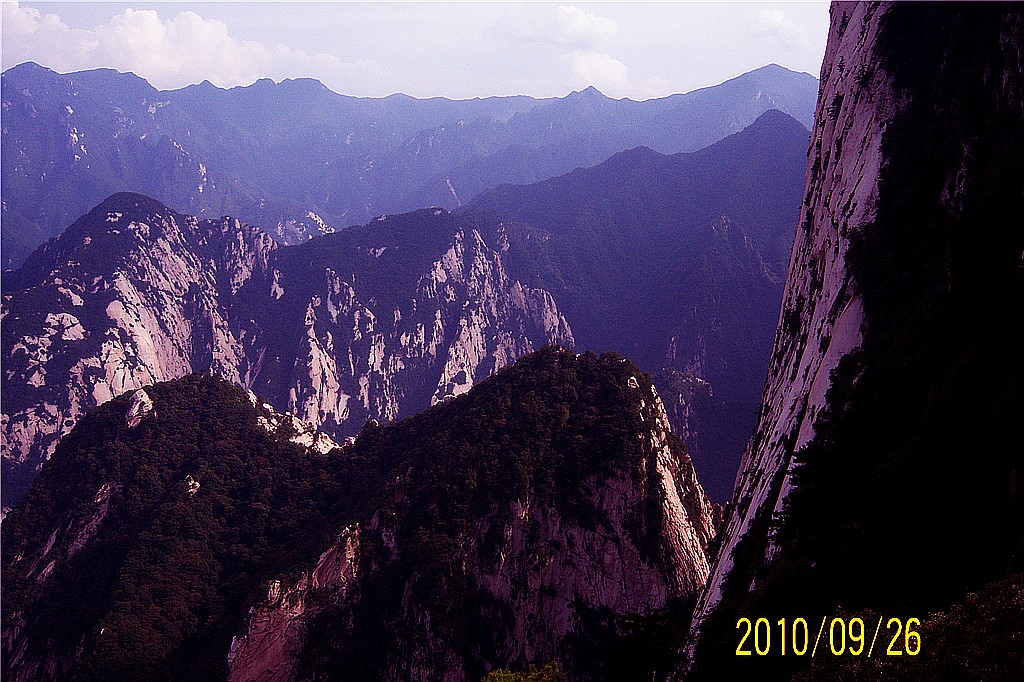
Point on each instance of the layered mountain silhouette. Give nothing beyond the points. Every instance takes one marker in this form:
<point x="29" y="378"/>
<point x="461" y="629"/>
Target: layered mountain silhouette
<point x="674" y="259"/>
<point x="540" y="511"/>
<point x="677" y="261"/>
<point x="298" y="159"/>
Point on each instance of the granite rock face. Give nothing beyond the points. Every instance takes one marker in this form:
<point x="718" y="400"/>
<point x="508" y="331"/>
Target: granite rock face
<point x="134" y="293"/>
<point x="129" y="295"/>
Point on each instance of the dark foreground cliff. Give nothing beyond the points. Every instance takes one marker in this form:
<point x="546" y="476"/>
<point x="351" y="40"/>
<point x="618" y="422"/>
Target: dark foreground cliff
<point x="184" y="532"/>
<point x="884" y="476"/>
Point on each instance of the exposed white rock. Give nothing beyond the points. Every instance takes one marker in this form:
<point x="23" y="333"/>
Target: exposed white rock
<point x="101" y="505"/>
<point x="276" y="290"/>
<point x="299" y="432"/>
<point x="687" y="535"/>
<point x="467" y="320"/>
<point x="165" y="318"/>
<point x="140" y="406"/>
<point x="67" y="539"/>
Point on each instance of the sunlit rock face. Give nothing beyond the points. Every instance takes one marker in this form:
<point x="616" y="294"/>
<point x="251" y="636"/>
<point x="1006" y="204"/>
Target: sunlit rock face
<point x="129" y="295"/>
<point x="389" y="320"/>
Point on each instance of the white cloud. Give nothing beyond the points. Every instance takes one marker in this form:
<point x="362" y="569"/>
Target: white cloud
<point x="775" y="23"/>
<point x="169" y="53"/>
<point x="564" y="25"/>
<point x="460" y="49"/>
<point x="30" y="35"/>
<point x="577" y="28"/>
<point x="565" y="34"/>
<point x="603" y="71"/>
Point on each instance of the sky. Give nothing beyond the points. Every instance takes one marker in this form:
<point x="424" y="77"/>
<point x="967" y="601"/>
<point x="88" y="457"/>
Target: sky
<point x="424" y="49"/>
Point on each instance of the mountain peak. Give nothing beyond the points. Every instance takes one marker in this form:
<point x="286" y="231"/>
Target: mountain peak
<point x="130" y="202"/>
<point x="589" y="93"/>
<point x="777" y="71"/>
<point x="28" y="67"/>
<point x="774" y="118"/>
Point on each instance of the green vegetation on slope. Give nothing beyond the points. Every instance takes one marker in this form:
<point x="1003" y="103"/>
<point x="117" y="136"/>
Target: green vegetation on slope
<point x="152" y="582"/>
<point x="434" y="493"/>
<point x="167" y="579"/>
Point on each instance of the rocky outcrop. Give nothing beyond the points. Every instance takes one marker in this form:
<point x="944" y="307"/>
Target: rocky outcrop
<point x="821" y="314"/>
<point x="296" y="430"/>
<point x="129" y="295"/>
<point x="141" y="406"/>
<point x="134" y="293"/>
<point x="463" y="319"/>
<point x="276" y="634"/>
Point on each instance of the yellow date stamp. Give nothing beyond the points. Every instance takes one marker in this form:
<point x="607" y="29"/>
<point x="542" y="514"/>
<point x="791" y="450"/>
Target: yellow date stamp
<point x="836" y="636"/>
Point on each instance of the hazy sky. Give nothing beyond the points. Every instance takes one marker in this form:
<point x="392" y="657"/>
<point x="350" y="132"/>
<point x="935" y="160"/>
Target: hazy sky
<point x="467" y="49"/>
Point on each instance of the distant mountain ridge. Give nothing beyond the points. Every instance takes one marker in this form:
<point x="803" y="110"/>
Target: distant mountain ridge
<point x="298" y="159"/>
<point x="676" y="260"/>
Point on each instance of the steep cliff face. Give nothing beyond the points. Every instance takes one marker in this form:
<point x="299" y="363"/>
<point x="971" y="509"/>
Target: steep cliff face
<point x="902" y="300"/>
<point x="276" y="632"/>
<point x="423" y="588"/>
<point x="135" y="293"/>
<point x="821" y="310"/>
<point x="385" y="349"/>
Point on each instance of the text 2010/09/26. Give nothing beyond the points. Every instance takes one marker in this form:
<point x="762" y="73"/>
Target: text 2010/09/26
<point x="845" y="636"/>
